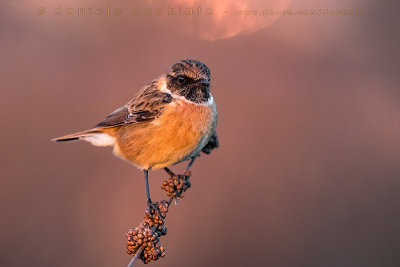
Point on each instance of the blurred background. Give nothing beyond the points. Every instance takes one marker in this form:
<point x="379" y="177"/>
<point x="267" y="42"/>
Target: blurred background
<point x="307" y="173"/>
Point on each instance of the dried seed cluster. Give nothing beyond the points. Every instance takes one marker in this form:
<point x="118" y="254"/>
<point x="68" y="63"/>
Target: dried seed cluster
<point x="147" y="234"/>
<point x="143" y="236"/>
<point x="155" y="218"/>
<point x="177" y="184"/>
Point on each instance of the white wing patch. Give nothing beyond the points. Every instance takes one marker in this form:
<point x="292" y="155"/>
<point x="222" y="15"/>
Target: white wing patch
<point x="100" y="139"/>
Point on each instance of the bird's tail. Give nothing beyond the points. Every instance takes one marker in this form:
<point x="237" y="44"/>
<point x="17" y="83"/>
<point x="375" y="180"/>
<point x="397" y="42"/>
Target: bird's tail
<point x="76" y="136"/>
<point x="96" y="136"/>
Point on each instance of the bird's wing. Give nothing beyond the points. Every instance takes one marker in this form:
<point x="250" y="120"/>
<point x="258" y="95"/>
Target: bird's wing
<point x="146" y="106"/>
<point x="212" y="144"/>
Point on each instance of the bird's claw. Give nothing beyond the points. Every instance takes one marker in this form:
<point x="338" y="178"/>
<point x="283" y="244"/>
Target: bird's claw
<point x="153" y="207"/>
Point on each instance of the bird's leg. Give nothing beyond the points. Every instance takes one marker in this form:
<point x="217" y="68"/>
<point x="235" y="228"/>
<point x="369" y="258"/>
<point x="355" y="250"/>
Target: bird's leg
<point x="169" y="172"/>
<point x="172" y="174"/>
<point x="150" y="204"/>
<point x="146" y="178"/>
<point x="191" y="162"/>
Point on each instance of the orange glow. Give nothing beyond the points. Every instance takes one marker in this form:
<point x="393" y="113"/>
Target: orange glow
<point x="225" y="21"/>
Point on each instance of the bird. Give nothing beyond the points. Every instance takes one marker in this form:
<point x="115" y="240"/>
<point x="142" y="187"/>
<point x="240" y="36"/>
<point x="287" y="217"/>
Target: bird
<point x="170" y="120"/>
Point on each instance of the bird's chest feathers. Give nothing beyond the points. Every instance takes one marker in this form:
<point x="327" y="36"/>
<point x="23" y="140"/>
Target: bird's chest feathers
<point x="179" y="132"/>
<point x="184" y="128"/>
<point x="187" y="123"/>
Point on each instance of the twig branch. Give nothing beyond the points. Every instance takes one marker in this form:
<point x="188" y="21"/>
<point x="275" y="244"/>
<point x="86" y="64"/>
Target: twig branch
<point x="135" y="258"/>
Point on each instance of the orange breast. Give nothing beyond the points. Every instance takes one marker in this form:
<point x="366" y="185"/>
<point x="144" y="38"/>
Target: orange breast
<point x="169" y="139"/>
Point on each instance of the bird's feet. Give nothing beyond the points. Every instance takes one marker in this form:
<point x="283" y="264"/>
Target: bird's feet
<point x="153" y="207"/>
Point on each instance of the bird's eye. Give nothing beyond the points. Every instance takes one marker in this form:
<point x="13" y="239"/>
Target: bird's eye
<point x="181" y="80"/>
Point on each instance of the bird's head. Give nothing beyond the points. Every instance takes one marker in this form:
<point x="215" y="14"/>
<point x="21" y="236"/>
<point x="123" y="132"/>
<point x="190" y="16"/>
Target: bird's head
<point x="191" y="79"/>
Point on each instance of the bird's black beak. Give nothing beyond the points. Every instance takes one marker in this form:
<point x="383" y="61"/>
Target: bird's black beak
<point x="204" y="82"/>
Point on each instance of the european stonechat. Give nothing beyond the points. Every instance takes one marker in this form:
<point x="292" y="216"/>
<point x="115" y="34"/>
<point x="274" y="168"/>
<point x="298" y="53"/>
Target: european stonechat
<point x="170" y="120"/>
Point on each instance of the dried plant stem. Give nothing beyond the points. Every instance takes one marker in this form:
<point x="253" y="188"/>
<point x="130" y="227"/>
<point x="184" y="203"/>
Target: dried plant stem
<point x="135" y="258"/>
